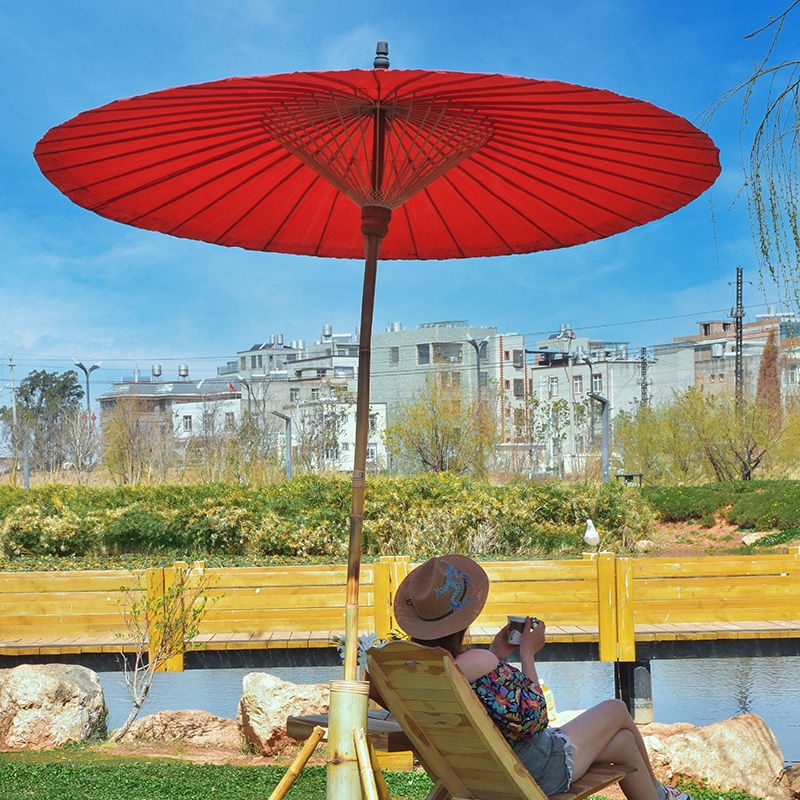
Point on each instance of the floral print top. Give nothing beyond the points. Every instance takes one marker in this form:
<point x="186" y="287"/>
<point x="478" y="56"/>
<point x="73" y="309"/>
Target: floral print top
<point x="514" y="702"/>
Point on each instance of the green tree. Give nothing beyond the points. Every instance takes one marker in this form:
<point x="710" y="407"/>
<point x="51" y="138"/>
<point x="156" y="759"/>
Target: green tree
<point x="319" y="426"/>
<point x="658" y="443"/>
<point x="437" y="431"/>
<point x="136" y="445"/>
<point x="46" y="401"/>
<point x="768" y="388"/>
<point x="697" y="437"/>
<point x="769" y="132"/>
<point x="162" y="625"/>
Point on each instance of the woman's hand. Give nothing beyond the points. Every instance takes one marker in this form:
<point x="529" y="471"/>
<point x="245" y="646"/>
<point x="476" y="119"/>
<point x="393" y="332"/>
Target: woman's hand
<point x="500" y="646"/>
<point x="533" y="637"/>
<point x="533" y="640"/>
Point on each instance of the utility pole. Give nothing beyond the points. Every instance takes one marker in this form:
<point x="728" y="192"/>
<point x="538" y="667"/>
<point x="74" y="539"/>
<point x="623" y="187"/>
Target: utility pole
<point x="643" y="377"/>
<point x="738" y="313"/>
<point x="15" y="434"/>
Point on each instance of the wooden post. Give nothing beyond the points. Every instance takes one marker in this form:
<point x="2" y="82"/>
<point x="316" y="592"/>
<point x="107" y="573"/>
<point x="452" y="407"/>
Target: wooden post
<point x="154" y="602"/>
<point x="389" y="573"/>
<point x="633" y="685"/>
<point x="171" y="577"/>
<point x="626" y="644"/>
<point x="607" y="606"/>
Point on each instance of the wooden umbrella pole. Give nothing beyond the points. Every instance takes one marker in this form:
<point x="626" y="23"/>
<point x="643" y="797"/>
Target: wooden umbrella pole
<point x="348" y="706"/>
<point x="374" y="226"/>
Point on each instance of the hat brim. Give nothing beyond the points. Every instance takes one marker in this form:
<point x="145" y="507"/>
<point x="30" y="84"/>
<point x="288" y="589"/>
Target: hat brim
<point x="460" y="619"/>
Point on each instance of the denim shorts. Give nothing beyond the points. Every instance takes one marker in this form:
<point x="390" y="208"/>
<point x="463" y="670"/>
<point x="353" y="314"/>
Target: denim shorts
<point x="548" y="757"/>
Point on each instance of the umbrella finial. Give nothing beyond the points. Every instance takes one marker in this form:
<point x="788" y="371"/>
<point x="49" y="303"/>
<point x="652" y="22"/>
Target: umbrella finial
<point x="381" y="56"/>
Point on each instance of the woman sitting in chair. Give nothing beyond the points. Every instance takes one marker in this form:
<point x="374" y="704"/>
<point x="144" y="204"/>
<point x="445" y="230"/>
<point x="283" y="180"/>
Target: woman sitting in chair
<point x="436" y="603"/>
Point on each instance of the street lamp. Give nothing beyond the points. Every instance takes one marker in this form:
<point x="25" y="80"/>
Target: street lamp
<point x="288" y="421"/>
<point x="87" y="371"/>
<point x="478" y="347"/>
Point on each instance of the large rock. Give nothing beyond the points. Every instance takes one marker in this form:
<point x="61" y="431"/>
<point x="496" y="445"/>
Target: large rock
<point x="48" y="705"/>
<point x="740" y="754"/>
<point x="266" y="703"/>
<point x="191" y="727"/>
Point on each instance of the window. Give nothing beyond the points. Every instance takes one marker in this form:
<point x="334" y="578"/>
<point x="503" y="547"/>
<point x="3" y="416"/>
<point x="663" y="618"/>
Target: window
<point x="518" y="358"/>
<point x="294" y="395"/>
<point x="577" y="384"/>
<point x="372" y="452"/>
<point x="331" y="453"/>
<point x="597" y="382"/>
<point x="506" y="355"/>
<point x="423" y="354"/>
<point x="373" y="423"/>
<point x="450" y="380"/>
<point x="242" y="362"/>
<point x="315" y="393"/>
<point x="507" y="384"/>
<point x="552" y="386"/>
<point x="187" y="423"/>
<point x="256" y="362"/>
<point x="230" y="420"/>
<point x="519" y="387"/>
<point x="394" y="355"/>
<point x="446" y="353"/>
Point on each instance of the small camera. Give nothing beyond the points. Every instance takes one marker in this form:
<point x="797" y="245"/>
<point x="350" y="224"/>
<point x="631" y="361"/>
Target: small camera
<point x="516" y="625"/>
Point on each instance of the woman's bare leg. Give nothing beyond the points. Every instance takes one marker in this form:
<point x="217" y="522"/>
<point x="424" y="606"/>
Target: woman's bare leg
<point x="606" y="732"/>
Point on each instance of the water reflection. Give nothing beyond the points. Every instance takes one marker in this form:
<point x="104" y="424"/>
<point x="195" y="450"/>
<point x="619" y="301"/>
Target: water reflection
<point x="699" y="691"/>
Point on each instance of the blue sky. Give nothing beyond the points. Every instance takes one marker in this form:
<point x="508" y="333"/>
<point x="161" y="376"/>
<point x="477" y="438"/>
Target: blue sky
<point x="74" y="285"/>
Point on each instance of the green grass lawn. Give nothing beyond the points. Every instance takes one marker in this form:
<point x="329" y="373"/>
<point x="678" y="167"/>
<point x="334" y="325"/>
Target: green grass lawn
<point x="78" y="774"/>
<point x="74" y="774"/>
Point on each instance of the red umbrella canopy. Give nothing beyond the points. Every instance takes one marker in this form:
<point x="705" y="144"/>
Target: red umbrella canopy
<point x="470" y="164"/>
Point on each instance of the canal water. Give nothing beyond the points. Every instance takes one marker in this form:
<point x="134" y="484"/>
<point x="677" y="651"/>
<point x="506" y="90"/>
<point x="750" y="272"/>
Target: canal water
<point x="698" y="691"/>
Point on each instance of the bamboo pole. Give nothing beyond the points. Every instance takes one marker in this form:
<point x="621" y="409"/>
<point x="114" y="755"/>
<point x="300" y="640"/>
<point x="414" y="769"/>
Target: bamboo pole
<point x="297" y="765"/>
<point x="347" y="713"/>
<point x="365" y="765"/>
<point x="380" y="783"/>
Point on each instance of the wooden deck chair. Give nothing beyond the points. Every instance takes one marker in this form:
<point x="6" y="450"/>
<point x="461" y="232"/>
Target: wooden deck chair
<point x="452" y="734"/>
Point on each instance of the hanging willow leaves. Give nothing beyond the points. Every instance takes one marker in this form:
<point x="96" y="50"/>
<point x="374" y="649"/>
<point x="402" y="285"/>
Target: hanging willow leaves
<point x="769" y="139"/>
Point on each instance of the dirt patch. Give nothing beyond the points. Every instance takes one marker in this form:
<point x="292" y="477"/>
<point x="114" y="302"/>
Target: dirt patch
<point x="202" y="754"/>
<point x="681" y="538"/>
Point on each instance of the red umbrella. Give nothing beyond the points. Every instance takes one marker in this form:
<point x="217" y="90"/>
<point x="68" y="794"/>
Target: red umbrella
<point x="319" y="163"/>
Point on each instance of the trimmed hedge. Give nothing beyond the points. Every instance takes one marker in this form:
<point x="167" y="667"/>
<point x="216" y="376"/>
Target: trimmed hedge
<point x="752" y="505"/>
<point x="308" y="518"/>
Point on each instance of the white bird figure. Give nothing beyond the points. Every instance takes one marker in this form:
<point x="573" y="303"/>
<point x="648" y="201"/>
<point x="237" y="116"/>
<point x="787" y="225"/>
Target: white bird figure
<point x="591" y="537"/>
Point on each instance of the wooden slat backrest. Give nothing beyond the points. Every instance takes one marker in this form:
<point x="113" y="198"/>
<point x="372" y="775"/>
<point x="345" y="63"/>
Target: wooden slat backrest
<point x="454" y="738"/>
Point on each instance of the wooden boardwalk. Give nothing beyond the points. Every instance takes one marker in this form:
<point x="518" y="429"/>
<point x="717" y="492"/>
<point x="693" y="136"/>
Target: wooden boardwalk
<point x="600" y="607"/>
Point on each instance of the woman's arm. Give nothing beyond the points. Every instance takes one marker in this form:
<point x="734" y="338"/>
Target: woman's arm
<point x="533" y="640"/>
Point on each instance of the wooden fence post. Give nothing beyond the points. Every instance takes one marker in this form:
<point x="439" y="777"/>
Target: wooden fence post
<point x="626" y="644"/>
<point x="171" y="577"/>
<point x="607" y="606"/>
<point x="154" y="604"/>
<point x="389" y="572"/>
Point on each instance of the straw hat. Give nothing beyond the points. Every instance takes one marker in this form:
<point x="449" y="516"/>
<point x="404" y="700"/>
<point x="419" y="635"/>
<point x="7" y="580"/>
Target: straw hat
<point x="440" y="597"/>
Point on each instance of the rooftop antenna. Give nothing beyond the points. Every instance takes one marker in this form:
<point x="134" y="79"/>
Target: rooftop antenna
<point x="381" y="56"/>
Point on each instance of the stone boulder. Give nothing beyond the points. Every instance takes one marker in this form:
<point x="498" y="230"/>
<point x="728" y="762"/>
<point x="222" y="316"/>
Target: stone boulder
<point x="740" y="753"/>
<point x="793" y="776"/>
<point x="266" y="703"/>
<point x="191" y="727"/>
<point x="48" y="705"/>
